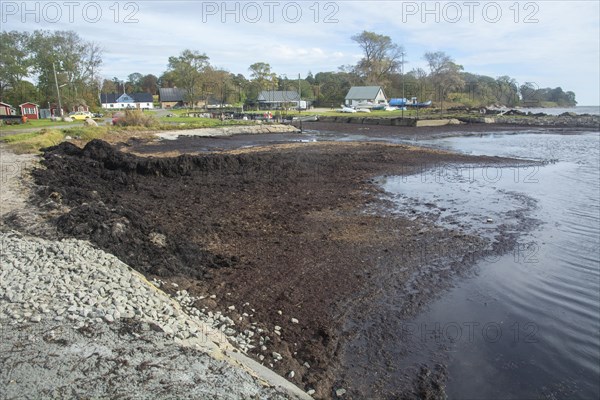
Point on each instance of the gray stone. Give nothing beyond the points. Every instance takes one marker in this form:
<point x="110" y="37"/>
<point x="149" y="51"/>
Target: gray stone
<point x="89" y="122"/>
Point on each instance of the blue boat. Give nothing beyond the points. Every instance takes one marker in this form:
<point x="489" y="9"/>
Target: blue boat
<point x="403" y="102"/>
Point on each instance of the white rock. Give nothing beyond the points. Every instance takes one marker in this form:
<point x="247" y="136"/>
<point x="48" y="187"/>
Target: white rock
<point x="340" y="392"/>
<point x="294" y="321"/>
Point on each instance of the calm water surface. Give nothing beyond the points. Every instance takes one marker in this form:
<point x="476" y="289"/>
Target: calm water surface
<point x="528" y="325"/>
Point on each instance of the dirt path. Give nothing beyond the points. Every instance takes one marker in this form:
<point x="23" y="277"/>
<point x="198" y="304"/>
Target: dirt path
<point x="14" y="180"/>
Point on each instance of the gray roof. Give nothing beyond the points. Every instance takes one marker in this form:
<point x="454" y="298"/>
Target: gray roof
<point x="363" y="92"/>
<point x="278" y="96"/>
<point x="171" y="94"/>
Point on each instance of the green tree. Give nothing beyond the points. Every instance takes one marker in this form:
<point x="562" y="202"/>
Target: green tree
<point x="77" y="64"/>
<point x="331" y="87"/>
<point x="134" y="82"/>
<point x="109" y="86"/>
<point x="262" y="78"/>
<point x="444" y="74"/>
<point x="149" y="84"/>
<point x="188" y="70"/>
<point x="507" y="91"/>
<point x="15" y="63"/>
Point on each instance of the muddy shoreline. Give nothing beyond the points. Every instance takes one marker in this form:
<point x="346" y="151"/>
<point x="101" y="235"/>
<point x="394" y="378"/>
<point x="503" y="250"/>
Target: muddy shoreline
<point x="291" y="236"/>
<point x="322" y="131"/>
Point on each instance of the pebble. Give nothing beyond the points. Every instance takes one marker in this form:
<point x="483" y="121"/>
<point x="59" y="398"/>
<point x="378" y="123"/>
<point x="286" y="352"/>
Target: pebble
<point x="294" y="321"/>
<point x="71" y="279"/>
<point x="340" y="392"/>
<point x="310" y="392"/>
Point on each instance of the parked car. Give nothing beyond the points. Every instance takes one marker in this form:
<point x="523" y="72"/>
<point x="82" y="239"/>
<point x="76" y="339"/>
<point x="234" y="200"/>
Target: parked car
<point x="81" y="115"/>
<point x="98" y="115"/>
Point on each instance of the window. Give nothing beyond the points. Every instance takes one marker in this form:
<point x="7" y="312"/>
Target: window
<point x="112" y="105"/>
<point x="29" y="110"/>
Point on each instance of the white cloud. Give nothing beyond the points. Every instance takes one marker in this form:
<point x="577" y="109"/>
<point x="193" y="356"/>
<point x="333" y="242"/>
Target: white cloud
<point x="562" y="48"/>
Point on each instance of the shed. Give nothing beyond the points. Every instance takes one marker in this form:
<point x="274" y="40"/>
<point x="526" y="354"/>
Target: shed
<point x="365" y="94"/>
<point x="30" y="110"/>
<point x="7" y="109"/>
<point x="172" y="97"/>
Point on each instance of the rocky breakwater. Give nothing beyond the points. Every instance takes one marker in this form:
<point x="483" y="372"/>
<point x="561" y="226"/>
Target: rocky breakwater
<point x="77" y="322"/>
<point x="515" y="117"/>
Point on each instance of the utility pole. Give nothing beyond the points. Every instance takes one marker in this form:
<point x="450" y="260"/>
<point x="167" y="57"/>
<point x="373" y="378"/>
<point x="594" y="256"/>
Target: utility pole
<point x="402" y="70"/>
<point x="299" y="93"/>
<point x="57" y="91"/>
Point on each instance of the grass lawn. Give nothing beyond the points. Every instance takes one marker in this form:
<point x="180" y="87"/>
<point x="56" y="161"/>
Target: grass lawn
<point x="32" y="142"/>
<point x="38" y="123"/>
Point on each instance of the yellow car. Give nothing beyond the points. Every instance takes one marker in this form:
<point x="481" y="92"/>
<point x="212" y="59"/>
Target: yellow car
<point x="81" y="115"/>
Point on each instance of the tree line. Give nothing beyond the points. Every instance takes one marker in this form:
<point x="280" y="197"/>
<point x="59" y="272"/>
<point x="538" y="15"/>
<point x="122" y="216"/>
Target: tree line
<point x="33" y="57"/>
<point x="27" y="57"/>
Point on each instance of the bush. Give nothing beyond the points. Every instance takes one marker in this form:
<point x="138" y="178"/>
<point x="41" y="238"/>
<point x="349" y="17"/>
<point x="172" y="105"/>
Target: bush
<point x="136" y="118"/>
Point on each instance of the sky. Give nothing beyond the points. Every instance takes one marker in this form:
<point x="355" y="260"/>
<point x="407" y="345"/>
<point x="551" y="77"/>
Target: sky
<point x="547" y="43"/>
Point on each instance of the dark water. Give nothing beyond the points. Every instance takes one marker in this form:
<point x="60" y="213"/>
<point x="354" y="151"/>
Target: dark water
<point x="528" y="325"/>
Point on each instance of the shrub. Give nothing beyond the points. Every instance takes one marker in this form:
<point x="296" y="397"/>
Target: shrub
<point x="136" y="118"/>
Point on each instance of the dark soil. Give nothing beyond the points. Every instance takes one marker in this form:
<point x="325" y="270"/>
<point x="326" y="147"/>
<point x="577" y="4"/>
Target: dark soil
<point x="299" y="229"/>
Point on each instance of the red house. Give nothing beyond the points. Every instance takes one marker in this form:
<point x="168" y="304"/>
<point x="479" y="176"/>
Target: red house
<point x="6" y="109"/>
<point x="30" y="110"/>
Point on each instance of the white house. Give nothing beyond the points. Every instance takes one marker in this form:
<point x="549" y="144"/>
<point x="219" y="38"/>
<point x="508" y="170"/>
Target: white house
<point x="364" y="94"/>
<point x="135" y="100"/>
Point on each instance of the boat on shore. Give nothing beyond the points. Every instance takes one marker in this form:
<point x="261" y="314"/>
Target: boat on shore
<point x="413" y="102"/>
